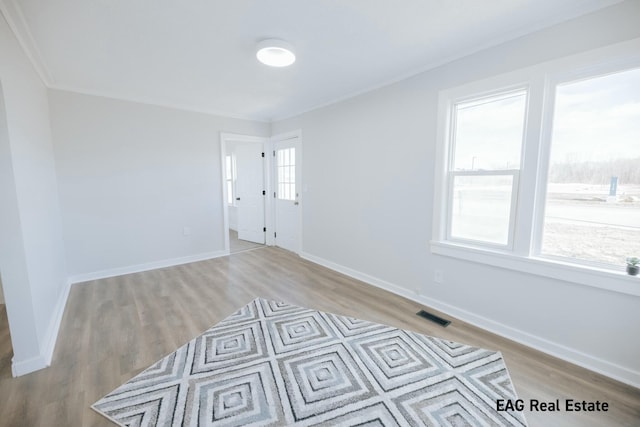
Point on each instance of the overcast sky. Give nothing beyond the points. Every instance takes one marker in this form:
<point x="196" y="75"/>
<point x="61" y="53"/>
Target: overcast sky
<point x="595" y="119"/>
<point x="598" y="119"/>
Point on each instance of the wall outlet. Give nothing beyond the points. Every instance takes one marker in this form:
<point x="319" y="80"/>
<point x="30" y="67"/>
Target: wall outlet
<point x="438" y="276"/>
<point x="186" y="231"/>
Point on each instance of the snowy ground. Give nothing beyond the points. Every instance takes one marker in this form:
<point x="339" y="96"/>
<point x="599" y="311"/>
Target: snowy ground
<point x="581" y="223"/>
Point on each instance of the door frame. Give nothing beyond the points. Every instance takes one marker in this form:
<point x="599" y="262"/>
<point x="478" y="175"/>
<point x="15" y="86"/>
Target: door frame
<point x="271" y="217"/>
<point x="225" y="138"/>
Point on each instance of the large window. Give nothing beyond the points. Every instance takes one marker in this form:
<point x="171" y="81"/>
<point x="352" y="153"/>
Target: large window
<point x="485" y="162"/>
<point x="542" y="165"/>
<point x="592" y="209"/>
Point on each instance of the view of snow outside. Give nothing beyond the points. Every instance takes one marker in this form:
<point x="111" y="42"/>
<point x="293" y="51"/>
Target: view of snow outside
<point x="488" y="138"/>
<point x="593" y="195"/>
<point x="592" y="207"/>
<point x="481" y="208"/>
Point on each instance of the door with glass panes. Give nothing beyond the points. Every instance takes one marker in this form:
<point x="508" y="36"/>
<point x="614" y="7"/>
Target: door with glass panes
<point x="287" y="193"/>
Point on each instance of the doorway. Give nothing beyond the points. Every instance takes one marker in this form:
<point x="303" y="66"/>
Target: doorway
<point x="244" y="191"/>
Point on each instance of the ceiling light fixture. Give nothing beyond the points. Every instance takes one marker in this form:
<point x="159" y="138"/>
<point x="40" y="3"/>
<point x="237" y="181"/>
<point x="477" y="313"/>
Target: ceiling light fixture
<point x="275" y="53"/>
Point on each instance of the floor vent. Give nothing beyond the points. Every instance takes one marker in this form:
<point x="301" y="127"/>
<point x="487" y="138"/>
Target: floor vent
<point x="437" y="319"/>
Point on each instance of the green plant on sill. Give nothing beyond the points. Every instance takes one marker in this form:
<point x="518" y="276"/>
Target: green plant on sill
<point x="633" y="261"/>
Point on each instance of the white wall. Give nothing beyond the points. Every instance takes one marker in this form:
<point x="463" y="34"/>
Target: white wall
<point x="132" y="176"/>
<point x="371" y="216"/>
<point x="32" y="261"/>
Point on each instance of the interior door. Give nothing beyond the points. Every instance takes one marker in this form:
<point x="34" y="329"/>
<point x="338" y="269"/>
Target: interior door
<point x="287" y="194"/>
<point x="249" y="197"/>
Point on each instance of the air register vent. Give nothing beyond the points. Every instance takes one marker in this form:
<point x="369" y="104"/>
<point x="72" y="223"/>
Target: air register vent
<point x="436" y="319"/>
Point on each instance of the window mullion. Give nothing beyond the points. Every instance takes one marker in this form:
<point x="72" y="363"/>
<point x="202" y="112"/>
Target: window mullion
<point x="526" y="210"/>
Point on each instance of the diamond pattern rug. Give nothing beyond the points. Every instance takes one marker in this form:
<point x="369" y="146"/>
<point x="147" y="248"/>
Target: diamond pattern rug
<point x="275" y="364"/>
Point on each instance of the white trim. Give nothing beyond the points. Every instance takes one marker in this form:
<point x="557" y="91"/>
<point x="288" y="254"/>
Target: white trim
<point x="24" y="367"/>
<point x="120" y="271"/>
<point x="515" y="176"/>
<point x="157" y="103"/>
<point x="611" y="370"/>
<point x="13" y="14"/>
<point x="600" y="278"/>
<point x="529" y="165"/>
<point x="43" y="360"/>
<point x="363" y="277"/>
<point x="54" y="326"/>
<point x="505" y="38"/>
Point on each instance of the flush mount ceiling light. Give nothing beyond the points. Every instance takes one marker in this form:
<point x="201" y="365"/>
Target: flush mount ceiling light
<point x="275" y="53"/>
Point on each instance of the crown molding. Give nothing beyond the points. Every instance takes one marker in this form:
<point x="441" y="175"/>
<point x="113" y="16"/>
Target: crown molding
<point x="15" y="18"/>
<point x="154" y="102"/>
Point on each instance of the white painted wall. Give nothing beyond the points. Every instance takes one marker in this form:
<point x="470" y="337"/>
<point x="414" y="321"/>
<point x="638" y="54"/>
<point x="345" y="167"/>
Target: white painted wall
<point x="32" y="261"/>
<point x="132" y="176"/>
<point x="369" y="171"/>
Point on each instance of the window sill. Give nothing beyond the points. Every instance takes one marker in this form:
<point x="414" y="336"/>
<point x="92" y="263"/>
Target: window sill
<point x="609" y="280"/>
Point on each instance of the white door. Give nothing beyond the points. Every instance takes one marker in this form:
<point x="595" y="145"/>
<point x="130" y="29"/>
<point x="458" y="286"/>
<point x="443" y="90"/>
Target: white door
<point x="287" y="193"/>
<point x="249" y="192"/>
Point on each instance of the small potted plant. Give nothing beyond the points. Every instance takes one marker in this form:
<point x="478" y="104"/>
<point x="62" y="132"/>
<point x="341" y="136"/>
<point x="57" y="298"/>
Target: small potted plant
<point x="632" y="266"/>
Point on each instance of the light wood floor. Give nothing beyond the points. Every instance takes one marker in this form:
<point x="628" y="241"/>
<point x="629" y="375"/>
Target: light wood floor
<point x="114" y="328"/>
<point x="236" y="245"/>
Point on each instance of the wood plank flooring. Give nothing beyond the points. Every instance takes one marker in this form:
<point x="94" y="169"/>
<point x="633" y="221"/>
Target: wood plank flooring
<point x="114" y="328"/>
<point x="236" y="245"/>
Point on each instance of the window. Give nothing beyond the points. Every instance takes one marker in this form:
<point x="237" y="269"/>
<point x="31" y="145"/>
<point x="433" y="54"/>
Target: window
<point x="230" y="178"/>
<point x="286" y="165"/>
<point x="485" y="162"/>
<point x="592" y="211"/>
<point x="539" y="170"/>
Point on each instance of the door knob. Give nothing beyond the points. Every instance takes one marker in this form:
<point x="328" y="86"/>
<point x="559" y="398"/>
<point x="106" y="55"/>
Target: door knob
<point x="296" y="203"/>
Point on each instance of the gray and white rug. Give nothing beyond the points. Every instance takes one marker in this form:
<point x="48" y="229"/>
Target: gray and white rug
<point x="275" y="364"/>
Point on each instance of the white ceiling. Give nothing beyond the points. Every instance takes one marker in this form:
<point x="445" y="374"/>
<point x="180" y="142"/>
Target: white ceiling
<point x="200" y="54"/>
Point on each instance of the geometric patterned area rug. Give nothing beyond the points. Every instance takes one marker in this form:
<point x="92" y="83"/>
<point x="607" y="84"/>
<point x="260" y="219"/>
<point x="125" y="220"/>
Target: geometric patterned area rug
<point x="276" y="364"/>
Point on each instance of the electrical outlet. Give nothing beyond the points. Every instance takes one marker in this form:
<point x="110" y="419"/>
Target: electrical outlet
<point x="438" y="276"/>
<point x="186" y="231"/>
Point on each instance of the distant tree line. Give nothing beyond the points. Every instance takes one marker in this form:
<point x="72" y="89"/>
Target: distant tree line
<point x="590" y="172"/>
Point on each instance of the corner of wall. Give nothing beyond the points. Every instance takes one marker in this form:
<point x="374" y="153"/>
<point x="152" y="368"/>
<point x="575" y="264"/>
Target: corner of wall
<point x="49" y="341"/>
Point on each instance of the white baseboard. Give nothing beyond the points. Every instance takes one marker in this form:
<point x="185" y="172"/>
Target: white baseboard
<point x="103" y="274"/>
<point x="24" y="367"/>
<point x="54" y="327"/>
<point x="43" y="360"/>
<point x="611" y="370"/>
<point x="370" y="280"/>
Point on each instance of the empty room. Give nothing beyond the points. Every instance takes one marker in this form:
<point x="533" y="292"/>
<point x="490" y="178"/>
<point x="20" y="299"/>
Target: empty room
<point x="336" y="213"/>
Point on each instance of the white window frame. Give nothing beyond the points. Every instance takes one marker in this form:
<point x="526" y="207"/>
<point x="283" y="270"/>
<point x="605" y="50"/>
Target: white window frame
<point x="512" y="211"/>
<point x="451" y="104"/>
<point x="523" y="251"/>
<point x="291" y="184"/>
